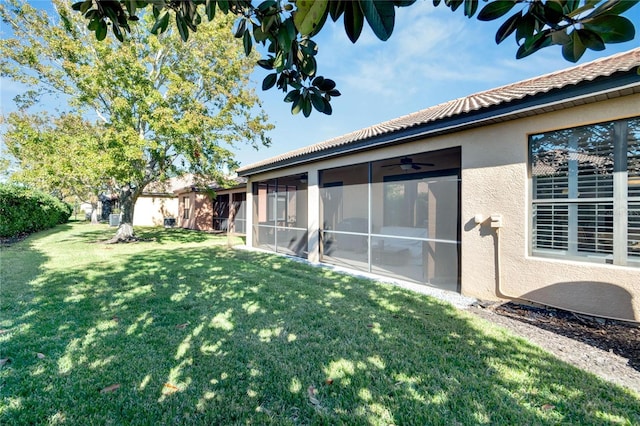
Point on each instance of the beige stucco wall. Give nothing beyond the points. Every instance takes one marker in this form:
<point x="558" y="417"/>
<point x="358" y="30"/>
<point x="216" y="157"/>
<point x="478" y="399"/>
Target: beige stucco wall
<point x="495" y="180"/>
<point x="151" y="210"/>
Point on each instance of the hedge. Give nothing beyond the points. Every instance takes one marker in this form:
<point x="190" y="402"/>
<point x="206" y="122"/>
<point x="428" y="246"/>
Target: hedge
<point x="24" y="210"/>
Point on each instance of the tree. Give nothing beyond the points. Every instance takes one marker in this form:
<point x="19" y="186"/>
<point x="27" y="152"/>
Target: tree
<point x="167" y="108"/>
<point x="63" y="156"/>
<point x="287" y="27"/>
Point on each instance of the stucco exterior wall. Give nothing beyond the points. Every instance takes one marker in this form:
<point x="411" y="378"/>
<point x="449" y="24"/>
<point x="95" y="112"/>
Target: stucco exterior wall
<point x="495" y="179"/>
<point x="151" y="210"/>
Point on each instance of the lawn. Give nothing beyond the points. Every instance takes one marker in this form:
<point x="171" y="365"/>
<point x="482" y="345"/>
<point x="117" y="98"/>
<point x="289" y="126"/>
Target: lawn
<point x="180" y="329"/>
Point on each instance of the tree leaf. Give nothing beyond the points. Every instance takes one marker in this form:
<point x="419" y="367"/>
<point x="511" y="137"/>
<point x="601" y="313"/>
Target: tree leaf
<point x="269" y="81"/>
<point x="612" y="29"/>
<point x="535" y="43"/>
<point x="317" y="101"/>
<point x="86" y="5"/>
<point x="247" y="42"/>
<point x="612" y="8"/>
<point x="210" y="9"/>
<point x="297" y="105"/>
<point x="267" y="64"/>
<point x="590" y="39"/>
<point x="574" y="49"/>
<point x="224" y="6"/>
<point x="309" y="66"/>
<point x="328" y="110"/>
<point x="266" y="5"/>
<point x="241" y="26"/>
<point x="453" y="4"/>
<point x="101" y="30"/>
<point x="306" y="106"/>
<point x="470" y="7"/>
<point x="310" y="15"/>
<point x="161" y="24"/>
<point x="336" y="8"/>
<point x="508" y="27"/>
<point x="117" y="32"/>
<point x="570" y="5"/>
<point x="525" y="27"/>
<point x="327" y="85"/>
<point x="380" y="15"/>
<point x="286" y="35"/>
<point x="318" y="81"/>
<point x="353" y="20"/>
<point x="553" y="13"/>
<point x="183" y="29"/>
<point x="259" y="35"/>
<point x="495" y="10"/>
<point x="292" y="96"/>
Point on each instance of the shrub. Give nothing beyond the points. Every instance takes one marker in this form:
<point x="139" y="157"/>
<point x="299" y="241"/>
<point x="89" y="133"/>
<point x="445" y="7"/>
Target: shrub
<point x="24" y="210"/>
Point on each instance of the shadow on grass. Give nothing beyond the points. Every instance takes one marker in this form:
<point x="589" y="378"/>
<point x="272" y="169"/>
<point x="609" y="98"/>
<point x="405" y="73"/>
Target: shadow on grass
<point x="101" y="233"/>
<point x="213" y="336"/>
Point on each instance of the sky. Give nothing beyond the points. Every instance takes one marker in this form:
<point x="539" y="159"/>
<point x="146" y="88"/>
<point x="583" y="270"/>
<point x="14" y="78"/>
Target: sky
<point x="433" y="56"/>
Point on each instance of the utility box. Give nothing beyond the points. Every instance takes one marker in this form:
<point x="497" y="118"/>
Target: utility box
<point x="114" y="219"/>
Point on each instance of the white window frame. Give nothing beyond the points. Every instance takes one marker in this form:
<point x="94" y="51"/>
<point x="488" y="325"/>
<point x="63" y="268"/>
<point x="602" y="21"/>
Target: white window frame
<point x="620" y="202"/>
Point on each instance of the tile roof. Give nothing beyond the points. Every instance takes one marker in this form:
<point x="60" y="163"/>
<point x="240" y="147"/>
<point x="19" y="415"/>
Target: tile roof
<point x="622" y="62"/>
<point x="186" y="182"/>
<point x="168" y="186"/>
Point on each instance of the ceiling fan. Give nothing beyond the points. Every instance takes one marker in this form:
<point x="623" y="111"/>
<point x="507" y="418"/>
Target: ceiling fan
<point x="407" y="163"/>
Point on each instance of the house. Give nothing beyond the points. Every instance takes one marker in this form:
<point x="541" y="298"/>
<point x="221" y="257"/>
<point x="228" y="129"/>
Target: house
<point x="158" y="203"/>
<point x="529" y="191"/>
<point x="214" y="208"/>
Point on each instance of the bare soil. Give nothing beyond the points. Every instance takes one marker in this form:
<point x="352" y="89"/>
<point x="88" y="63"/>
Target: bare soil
<point x="607" y="348"/>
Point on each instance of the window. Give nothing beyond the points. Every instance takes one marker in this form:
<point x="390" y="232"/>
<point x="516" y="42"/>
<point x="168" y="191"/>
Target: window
<point x="186" y="206"/>
<point x="280" y="207"/>
<point x="586" y="192"/>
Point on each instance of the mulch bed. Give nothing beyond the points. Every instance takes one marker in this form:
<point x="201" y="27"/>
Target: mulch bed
<point x="613" y="336"/>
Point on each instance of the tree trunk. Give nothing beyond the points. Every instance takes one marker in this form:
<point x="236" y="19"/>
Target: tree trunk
<point x="125" y="233"/>
<point x="94" y="213"/>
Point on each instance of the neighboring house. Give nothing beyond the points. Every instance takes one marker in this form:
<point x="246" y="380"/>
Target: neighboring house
<point x="158" y="203"/>
<point x="218" y="208"/>
<point x="527" y="191"/>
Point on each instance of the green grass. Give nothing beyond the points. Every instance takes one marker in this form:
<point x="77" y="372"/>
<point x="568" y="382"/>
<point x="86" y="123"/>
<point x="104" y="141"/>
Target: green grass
<point x="196" y="333"/>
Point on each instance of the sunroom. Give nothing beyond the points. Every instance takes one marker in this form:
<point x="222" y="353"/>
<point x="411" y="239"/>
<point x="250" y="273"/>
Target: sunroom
<point x="394" y="217"/>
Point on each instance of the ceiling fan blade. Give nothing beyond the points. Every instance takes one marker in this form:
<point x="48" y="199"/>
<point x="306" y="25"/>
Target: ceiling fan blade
<point x="425" y="164"/>
<point x="415" y="166"/>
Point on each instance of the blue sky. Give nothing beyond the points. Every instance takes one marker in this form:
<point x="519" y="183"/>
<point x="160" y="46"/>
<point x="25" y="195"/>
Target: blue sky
<point x="433" y="56"/>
